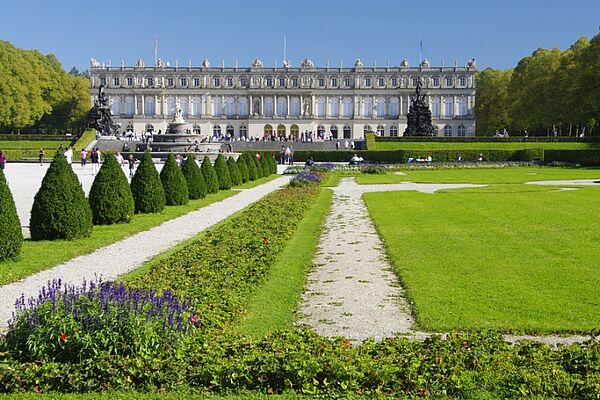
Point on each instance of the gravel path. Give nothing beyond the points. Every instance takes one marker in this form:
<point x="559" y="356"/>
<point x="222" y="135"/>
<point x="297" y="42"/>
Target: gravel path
<point x="127" y="254"/>
<point x="576" y="182"/>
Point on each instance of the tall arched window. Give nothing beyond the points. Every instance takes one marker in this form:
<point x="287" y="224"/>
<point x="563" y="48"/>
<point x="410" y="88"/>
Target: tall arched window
<point x="334" y="104"/>
<point x="129" y="106"/>
<point x="149" y="106"/>
<point x="394" y="130"/>
<point x="217" y="107"/>
<point x="170" y="105"/>
<point x="243" y="131"/>
<point x="334" y="131"/>
<point x="282" y="106"/>
<point x="380" y="107"/>
<point x="196" y="105"/>
<point x="462" y="106"/>
<point x="268" y="111"/>
<point x="367" y="109"/>
<point x="347" y="132"/>
<point x="435" y="106"/>
<point x="447" y="130"/>
<point x="281" y="130"/>
<point x="229" y="107"/>
<point x="394" y="107"/>
<point x="448" y="107"/>
<point x="295" y="131"/>
<point x="347" y="110"/>
<point x="380" y="130"/>
<point x="116" y="106"/>
<point x="320" y="107"/>
<point x="196" y="129"/>
<point x="183" y="103"/>
<point x="320" y="131"/>
<point x="295" y="106"/>
<point x="461" y="130"/>
<point x="243" y="106"/>
<point x="217" y="131"/>
<point x="229" y="131"/>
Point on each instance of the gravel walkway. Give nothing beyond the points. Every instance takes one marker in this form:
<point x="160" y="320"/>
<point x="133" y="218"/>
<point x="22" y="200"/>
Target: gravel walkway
<point x="127" y="254"/>
<point x="566" y="182"/>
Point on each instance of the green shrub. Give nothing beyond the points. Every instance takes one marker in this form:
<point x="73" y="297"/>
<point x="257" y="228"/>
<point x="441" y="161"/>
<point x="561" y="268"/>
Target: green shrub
<point x="222" y="173"/>
<point x="234" y="172"/>
<point x="110" y="197"/>
<point x="174" y="183"/>
<point x="372" y="169"/>
<point x="265" y="165"/>
<point x="583" y="157"/>
<point x="60" y="209"/>
<point x="11" y="237"/>
<point x="241" y="163"/>
<point x="147" y="189"/>
<point x="195" y="179"/>
<point x="252" y="172"/>
<point x="210" y="176"/>
<point x="259" y="171"/>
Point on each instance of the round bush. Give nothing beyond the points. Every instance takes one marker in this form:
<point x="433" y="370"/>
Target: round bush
<point x="251" y="166"/>
<point x="222" y="173"/>
<point x="110" y="197"/>
<point x="147" y="189"/>
<point x="11" y="237"/>
<point x="60" y="209"/>
<point x="210" y="176"/>
<point x="174" y="183"/>
<point x="234" y="172"/>
<point x="195" y="179"/>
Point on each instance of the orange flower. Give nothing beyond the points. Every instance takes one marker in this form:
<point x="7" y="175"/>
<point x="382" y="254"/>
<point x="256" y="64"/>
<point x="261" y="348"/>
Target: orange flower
<point x="63" y="337"/>
<point x="346" y="344"/>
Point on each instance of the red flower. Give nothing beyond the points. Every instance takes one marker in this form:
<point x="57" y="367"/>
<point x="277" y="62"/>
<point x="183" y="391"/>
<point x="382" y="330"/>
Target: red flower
<point x="346" y="344"/>
<point x="63" y="337"/>
<point x="194" y="320"/>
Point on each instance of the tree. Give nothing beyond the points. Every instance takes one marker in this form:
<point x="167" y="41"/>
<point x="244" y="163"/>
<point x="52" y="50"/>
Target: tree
<point x="195" y="179"/>
<point x="210" y="176"/>
<point x="222" y="173"/>
<point x="234" y="172"/>
<point x="110" y="197"/>
<point x="493" y="102"/>
<point x="264" y="164"/>
<point x="252" y="172"/>
<point x="11" y="238"/>
<point x="259" y="171"/>
<point x="243" y="168"/>
<point x="174" y="183"/>
<point x="60" y="209"/>
<point x="147" y="189"/>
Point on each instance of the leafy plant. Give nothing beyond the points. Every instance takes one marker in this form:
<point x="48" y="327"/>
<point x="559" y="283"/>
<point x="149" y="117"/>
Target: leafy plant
<point x="234" y="172"/>
<point x="306" y="178"/>
<point x="110" y="196"/>
<point x="147" y="189"/>
<point x="210" y="176"/>
<point x="11" y="237"/>
<point x="174" y="183"/>
<point x="241" y="163"/>
<point x="195" y="179"/>
<point x="253" y="173"/>
<point x="222" y="171"/>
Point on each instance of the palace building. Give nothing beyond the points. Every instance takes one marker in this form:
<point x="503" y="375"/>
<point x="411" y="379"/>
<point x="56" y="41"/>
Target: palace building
<point x="251" y="102"/>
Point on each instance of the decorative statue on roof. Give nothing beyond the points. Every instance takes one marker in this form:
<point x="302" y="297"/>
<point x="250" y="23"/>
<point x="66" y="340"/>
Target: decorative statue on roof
<point x="99" y="117"/>
<point x="419" y="116"/>
<point x="307" y="63"/>
<point x="257" y="64"/>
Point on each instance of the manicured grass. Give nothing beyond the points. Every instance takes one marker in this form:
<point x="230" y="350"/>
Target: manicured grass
<point x="481" y="175"/>
<point x="505" y="258"/>
<point x="424" y="146"/>
<point x="273" y="305"/>
<point x="32" y="144"/>
<point x="40" y="255"/>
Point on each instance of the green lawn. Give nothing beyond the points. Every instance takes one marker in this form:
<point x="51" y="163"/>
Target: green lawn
<point x="481" y="175"/>
<point x="40" y="255"/>
<point x="33" y="144"/>
<point x="508" y="258"/>
<point x="483" y="146"/>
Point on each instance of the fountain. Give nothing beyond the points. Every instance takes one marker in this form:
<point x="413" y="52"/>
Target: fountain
<point x="100" y="116"/>
<point x="419" y="116"/>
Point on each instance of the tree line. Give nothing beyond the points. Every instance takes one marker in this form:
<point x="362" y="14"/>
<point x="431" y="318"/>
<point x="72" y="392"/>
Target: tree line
<point x="37" y="95"/>
<point x="549" y="92"/>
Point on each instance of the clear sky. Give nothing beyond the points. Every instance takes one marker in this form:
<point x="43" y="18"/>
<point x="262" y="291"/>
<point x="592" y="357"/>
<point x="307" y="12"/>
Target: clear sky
<point x="497" y="33"/>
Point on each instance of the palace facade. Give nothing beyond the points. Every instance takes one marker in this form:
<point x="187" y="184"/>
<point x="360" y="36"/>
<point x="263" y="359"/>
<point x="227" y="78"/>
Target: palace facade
<point x="254" y="101"/>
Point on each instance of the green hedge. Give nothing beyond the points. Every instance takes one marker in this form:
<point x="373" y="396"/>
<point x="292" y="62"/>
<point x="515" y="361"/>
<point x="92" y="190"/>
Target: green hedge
<point x="86" y="138"/>
<point x="488" y="139"/>
<point x="583" y="157"/>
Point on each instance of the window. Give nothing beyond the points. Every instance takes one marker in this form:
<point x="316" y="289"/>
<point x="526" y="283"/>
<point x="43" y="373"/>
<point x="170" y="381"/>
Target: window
<point x="269" y="81"/>
<point x="347" y="132"/>
<point x="334" y="131"/>
<point x="281" y="82"/>
<point x="367" y="110"/>
<point x="216" y="81"/>
<point x="169" y="81"/>
<point x="129" y="81"/>
<point x="295" y="106"/>
<point x="129" y="106"/>
<point x="116" y="81"/>
<point x="170" y="105"/>
<point x="229" y="107"/>
<point x="196" y="82"/>
<point x="150" y="81"/>
<point x="347" y="82"/>
<point x="462" y="81"/>
<point x="449" y="81"/>
<point x="103" y="80"/>
<point x="183" y="82"/>
<point x="415" y="80"/>
<point x="347" y="109"/>
<point x="281" y="130"/>
<point x="295" y="82"/>
<point x="334" y="104"/>
<point x="461" y="130"/>
<point x="367" y="128"/>
<point x="320" y="107"/>
<point x="282" y="106"/>
<point x="435" y="107"/>
<point x="149" y="106"/>
<point x="380" y="107"/>
<point x="447" y="130"/>
<point x="381" y="82"/>
<point x="268" y="111"/>
<point x="462" y="107"/>
<point x="394" y="82"/>
<point x="217" y="106"/>
<point x="321" y="82"/>
<point x="435" y="81"/>
<point x="243" y="106"/>
<point x="394" y="130"/>
<point x="448" y="107"/>
<point x="229" y="131"/>
<point x="243" y="131"/>
<point x="243" y="82"/>
<point x="380" y="130"/>
<point x="116" y="106"/>
<point x="185" y="109"/>
<point x="196" y="104"/>
<point x="334" y="82"/>
<point x="229" y="82"/>
<point x="196" y="129"/>
<point x="368" y="82"/>
<point x="394" y="107"/>
<point x="217" y="131"/>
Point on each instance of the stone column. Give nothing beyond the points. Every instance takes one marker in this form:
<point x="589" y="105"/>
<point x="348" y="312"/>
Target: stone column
<point x="250" y="107"/>
<point x="275" y="111"/>
<point x="262" y="106"/>
<point x="135" y="105"/>
<point x="287" y="114"/>
<point x="143" y="105"/>
<point x="163" y="105"/>
<point x="155" y="105"/>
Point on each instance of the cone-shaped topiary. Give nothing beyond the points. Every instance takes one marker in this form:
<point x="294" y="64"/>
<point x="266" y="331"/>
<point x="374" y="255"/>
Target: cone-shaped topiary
<point x="273" y="163"/>
<point x="194" y="178"/>
<point x="252" y="173"/>
<point x="11" y="237"/>
<point x="234" y="172"/>
<point x="60" y="209"/>
<point x="259" y="172"/>
<point x="110" y="197"/>
<point x="264" y="164"/>
<point x="222" y="173"/>
<point x="147" y="189"/>
<point x="174" y="183"/>
<point x="210" y="176"/>
<point x="241" y="163"/>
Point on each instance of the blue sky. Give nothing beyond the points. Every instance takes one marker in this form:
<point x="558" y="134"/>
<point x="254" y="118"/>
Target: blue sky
<point x="496" y="33"/>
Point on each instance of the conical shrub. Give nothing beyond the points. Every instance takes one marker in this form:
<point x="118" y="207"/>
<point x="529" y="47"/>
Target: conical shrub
<point x="273" y="163"/>
<point x="11" y="237"/>
<point x="110" y="197"/>
<point x="148" y="193"/>
<point x="210" y="176"/>
<point x="60" y="209"/>
<point x="234" y="172"/>
<point x="243" y="168"/>
<point x="264" y="164"/>
<point x="174" y="183"/>
<point x="222" y="173"/>
<point x="259" y="171"/>
<point x="194" y="178"/>
<point x="252" y="173"/>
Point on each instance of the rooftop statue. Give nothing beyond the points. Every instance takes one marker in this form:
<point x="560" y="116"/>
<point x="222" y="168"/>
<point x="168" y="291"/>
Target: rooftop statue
<point x="405" y="63"/>
<point x="205" y="63"/>
<point x="257" y="64"/>
<point x="307" y="63"/>
<point x="358" y="63"/>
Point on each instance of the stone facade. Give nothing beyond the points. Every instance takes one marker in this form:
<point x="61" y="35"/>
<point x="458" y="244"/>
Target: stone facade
<point x="257" y="100"/>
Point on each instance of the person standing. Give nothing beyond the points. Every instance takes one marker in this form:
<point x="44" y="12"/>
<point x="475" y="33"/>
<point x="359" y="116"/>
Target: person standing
<point x="69" y="155"/>
<point x="83" y="158"/>
<point x="2" y="160"/>
<point x="131" y="160"/>
<point x="41" y="155"/>
<point x="95" y="156"/>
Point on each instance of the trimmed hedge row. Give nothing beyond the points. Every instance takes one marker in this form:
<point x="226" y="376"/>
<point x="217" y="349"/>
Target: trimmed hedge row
<point x="583" y="157"/>
<point x="489" y="139"/>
